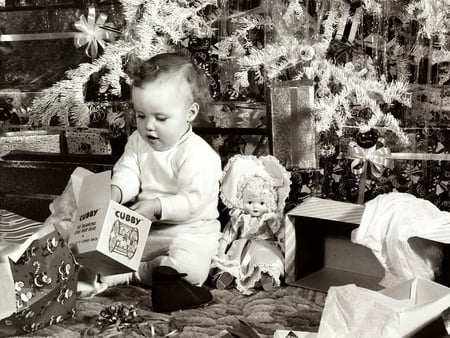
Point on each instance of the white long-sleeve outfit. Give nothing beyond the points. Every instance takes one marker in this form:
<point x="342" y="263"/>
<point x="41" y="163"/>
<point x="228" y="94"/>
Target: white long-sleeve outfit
<point x="185" y="178"/>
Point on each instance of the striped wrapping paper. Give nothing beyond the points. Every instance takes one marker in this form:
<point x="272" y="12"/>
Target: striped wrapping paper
<point x="328" y="209"/>
<point x="16" y="229"/>
<point x="17" y="233"/>
<point x="316" y="208"/>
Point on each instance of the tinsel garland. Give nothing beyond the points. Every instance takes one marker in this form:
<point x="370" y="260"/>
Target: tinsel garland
<point x="299" y="46"/>
<point x="432" y="15"/>
<point x="65" y="99"/>
<point x="152" y="26"/>
<point x="289" y="52"/>
<point x="335" y="108"/>
<point x="304" y="55"/>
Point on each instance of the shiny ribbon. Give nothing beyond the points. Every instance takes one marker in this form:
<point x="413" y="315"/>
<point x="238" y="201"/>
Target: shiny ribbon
<point x="93" y="32"/>
<point x="379" y="159"/>
<point x="36" y="36"/>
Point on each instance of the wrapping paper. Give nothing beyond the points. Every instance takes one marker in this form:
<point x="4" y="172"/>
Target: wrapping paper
<point x="315" y="208"/>
<point x="36" y="140"/>
<point x="39" y="276"/>
<point x="389" y="224"/>
<point x="293" y="132"/>
<point x="399" y="311"/>
<point x="93" y="141"/>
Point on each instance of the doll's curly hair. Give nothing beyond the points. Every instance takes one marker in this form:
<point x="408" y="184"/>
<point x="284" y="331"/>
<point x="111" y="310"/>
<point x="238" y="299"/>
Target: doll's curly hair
<point x="141" y="72"/>
<point x="258" y="185"/>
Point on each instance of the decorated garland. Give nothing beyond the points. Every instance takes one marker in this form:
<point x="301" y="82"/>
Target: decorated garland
<point x="152" y="26"/>
<point x="327" y="44"/>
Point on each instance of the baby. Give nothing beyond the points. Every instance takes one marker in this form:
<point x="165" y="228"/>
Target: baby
<point x="171" y="176"/>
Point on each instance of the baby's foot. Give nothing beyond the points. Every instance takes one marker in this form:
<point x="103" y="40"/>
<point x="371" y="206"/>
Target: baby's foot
<point x="224" y="280"/>
<point x="267" y="282"/>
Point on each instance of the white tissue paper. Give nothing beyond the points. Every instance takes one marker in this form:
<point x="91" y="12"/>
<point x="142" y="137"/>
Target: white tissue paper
<point x="399" y="311"/>
<point x="398" y="228"/>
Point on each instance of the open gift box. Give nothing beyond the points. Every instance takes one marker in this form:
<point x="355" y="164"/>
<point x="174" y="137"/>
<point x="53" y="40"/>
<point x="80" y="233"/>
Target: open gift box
<point x="409" y="309"/>
<point x="319" y="252"/>
<point x="398" y="311"/>
<point x="38" y="276"/>
<point x="106" y="237"/>
<point x="321" y="247"/>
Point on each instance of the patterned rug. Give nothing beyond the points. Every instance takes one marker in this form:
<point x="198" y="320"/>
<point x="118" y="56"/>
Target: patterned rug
<point x="287" y="308"/>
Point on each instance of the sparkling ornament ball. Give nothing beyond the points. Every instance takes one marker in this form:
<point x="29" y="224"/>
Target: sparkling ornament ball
<point x="367" y="139"/>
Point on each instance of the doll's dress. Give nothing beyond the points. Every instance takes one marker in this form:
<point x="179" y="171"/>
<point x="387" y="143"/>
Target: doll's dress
<point x="254" y="244"/>
<point x="254" y="251"/>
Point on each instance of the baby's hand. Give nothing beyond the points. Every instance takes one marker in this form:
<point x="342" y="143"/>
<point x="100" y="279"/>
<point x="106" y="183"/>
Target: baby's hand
<point x="150" y="209"/>
<point x="116" y="194"/>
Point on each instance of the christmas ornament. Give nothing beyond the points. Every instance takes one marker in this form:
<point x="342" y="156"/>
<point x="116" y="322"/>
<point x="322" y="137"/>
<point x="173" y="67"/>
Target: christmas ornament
<point x="367" y="139"/>
<point x="93" y="32"/>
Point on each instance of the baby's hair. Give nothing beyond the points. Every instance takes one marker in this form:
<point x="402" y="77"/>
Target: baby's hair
<point x="258" y="185"/>
<point x="171" y="64"/>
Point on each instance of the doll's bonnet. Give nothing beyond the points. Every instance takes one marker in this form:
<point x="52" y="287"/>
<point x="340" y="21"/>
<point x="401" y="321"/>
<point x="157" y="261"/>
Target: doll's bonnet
<point x="241" y="167"/>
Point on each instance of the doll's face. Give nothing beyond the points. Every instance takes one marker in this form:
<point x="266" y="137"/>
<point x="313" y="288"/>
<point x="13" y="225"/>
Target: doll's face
<point x="255" y="205"/>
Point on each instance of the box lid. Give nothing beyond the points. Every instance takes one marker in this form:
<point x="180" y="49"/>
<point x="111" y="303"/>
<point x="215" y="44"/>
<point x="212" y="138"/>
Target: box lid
<point x="90" y="188"/>
<point x="328" y="209"/>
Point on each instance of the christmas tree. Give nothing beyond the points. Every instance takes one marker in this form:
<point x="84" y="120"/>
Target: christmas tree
<point x="360" y="55"/>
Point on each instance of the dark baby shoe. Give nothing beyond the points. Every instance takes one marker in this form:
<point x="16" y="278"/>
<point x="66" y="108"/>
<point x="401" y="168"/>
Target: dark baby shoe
<point x="170" y="292"/>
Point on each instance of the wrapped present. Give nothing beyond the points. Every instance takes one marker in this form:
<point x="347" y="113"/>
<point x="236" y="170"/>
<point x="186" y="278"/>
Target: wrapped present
<point x="39" y="276"/>
<point x="91" y="141"/>
<point x="293" y="131"/>
<point x="30" y="140"/>
<point x="398" y="311"/>
<point x="357" y="169"/>
<point x="54" y="37"/>
<point x="375" y="159"/>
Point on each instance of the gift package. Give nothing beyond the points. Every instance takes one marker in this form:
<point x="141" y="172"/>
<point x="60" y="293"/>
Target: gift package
<point x="106" y="237"/>
<point x="409" y="309"/>
<point x="390" y="239"/>
<point x="93" y="141"/>
<point x="398" y="311"/>
<point x="39" y="276"/>
<point x="319" y="252"/>
<point x="294" y="139"/>
<point x="30" y="140"/>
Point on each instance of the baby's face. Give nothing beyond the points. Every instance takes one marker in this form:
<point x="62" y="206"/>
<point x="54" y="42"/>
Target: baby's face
<point x="255" y="205"/>
<point x="164" y="110"/>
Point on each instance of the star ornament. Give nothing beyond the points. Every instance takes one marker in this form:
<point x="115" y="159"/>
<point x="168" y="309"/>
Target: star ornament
<point x="93" y="33"/>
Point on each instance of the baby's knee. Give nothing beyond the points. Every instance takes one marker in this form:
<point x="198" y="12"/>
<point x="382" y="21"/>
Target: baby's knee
<point x="195" y="266"/>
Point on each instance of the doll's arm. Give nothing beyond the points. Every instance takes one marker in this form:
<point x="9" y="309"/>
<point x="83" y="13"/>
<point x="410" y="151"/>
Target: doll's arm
<point x="270" y="216"/>
<point x="234" y="215"/>
<point x="231" y="230"/>
<point x="272" y="221"/>
<point x="228" y="236"/>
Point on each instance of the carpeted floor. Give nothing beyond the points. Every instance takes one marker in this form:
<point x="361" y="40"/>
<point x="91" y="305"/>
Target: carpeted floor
<point x="284" y="308"/>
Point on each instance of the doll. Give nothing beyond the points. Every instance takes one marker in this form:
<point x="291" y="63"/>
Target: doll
<point x="250" y="250"/>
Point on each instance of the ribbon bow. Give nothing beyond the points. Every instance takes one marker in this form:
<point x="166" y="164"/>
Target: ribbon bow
<point x="379" y="159"/>
<point x="93" y="32"/>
